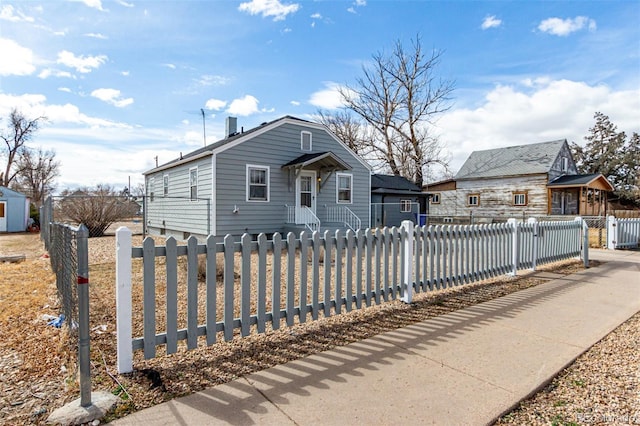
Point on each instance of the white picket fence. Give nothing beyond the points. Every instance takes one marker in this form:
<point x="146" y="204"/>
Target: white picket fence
<point x="623" y="233"/>
<point x="304" y="277"/>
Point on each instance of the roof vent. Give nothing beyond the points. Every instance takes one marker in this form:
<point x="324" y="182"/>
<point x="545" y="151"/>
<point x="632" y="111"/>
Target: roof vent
<point x="231" y="126"/>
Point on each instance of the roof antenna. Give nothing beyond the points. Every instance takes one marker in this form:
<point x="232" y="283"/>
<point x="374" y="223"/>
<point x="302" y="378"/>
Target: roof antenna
<point x="204" y="130"/>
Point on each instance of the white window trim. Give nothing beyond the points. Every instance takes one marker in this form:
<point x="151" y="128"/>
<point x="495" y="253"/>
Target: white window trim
<point x="565" y="164"/>
<point x="338" y="176"/>
<point x="302" y="148"/>
<point x="248" y="169"/>
<point x="165" y="185"/>
<point x="469" y="199"/>
<point x="517" y="194"/>
<point x="190" y="184"/>
<point x="405" y="203"/>
<point x="433" y="201"/>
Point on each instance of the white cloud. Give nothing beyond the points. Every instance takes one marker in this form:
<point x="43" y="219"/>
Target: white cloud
<point x="125" y="4"/>
<point x="64" y="89"/>
<point x="316" y="16"/>
<point x="21" y="62"/>
<point x="244" y="106"/>
<point x="96" y="35"/>
<point x="212" y="80"/>
<point x="215" y="104"/>
<point x="268" y="8"/>
<point x="515" y="115"/>
<point x="564" y="27"/>
<point x="490" y="22"/>
<point x="82" y="64"/>
<point x="172" y="66"/>
<point x="95" y="4"/>
<point x="295" y="103"/>
<point x="328" y="98"/>
<point x="49" y="72"/>
<point x="112" y="96"/>
<point x="7" y="13"/>
<point x="124" y="73"/>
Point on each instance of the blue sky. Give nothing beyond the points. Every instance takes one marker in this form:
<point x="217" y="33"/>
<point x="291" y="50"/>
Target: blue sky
<point x="122" y="82"/>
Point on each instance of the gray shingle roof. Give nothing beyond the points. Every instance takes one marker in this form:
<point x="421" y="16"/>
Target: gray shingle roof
<point x="511" y="161"/>
<point x="393" y="182"/>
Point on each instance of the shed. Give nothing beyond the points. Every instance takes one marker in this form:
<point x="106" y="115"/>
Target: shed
<point x="14" y="210"/>
<point x="394" y="199"/>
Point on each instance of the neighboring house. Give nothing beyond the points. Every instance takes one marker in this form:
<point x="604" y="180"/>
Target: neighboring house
<point x="285" y="175"/>
<point x="394" y="199"/>
<point x="526" y="180"/>
<point x="14" y="210"/>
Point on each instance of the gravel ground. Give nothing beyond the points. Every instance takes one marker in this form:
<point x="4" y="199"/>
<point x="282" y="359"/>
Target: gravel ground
<point x="37" y="368"/>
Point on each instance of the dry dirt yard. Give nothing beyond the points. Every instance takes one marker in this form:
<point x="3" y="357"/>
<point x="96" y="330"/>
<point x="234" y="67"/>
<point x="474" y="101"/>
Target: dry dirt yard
<point x="38" y="370"/>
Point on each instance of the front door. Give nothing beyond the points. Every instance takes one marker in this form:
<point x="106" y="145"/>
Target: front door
<point x="305" y="193"/>
<point x="3" y="216"/>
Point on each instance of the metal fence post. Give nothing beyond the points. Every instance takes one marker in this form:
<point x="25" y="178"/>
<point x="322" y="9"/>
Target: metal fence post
<point x="82" y="237"/>
<point x="515" y="249"/>
<point x="123" y="300"/>
<point x="407" y="279"/>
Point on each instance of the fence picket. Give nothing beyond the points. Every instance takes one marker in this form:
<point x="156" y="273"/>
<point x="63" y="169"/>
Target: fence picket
<point x="338" y="262"/>
<point x="171" y="260"/>
<point x="276" y="280"/>
<point x="192" y="292"/>
<point x="149" y="297"/>
<point x="245" y="285"/>
<point x="262" y="283"/>
<point x="210" y="283"/>
<point x="315" y="283"/>
<point x="349" y="270"/>
<point x="328" y="254"/>
<point x="304" y="252"/>
<point x="291" y="271"/>
<point x="229" y="281"/>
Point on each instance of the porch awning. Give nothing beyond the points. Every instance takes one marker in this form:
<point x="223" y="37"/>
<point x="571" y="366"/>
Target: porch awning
<point x="323" y="161"/>
<point x="593" y="181"/>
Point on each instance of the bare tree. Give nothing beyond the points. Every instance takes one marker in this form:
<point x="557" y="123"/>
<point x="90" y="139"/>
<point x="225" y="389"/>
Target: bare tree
<point x="97" y="208"/>
<point x="36" y="172"/>
<point x="399" y="97"/>
<point x="18" y="132"/>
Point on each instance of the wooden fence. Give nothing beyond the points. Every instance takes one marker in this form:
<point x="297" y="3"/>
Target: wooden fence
<point x="210" y="291"/>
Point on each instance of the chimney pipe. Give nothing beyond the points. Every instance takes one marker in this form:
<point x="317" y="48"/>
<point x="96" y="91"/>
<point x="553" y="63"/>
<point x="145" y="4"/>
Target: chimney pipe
<point x="231" y="126"/>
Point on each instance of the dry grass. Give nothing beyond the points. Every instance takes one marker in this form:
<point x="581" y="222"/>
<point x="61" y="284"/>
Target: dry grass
<point x="38" y="369"/>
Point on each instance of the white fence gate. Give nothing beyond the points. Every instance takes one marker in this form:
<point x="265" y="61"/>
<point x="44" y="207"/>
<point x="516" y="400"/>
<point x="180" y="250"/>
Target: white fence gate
<point x="297" y="279"/>
<point x="623" y="233"/>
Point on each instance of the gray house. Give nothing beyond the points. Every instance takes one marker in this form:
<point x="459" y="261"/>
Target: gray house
<point x="282" y="176"/>
<point x="531" y="180"/>
<point x="14" y="210"/>
<point x="394" y="199"/>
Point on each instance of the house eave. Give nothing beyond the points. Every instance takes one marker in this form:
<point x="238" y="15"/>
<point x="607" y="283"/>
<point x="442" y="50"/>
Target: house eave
<point x="177" y="163"/>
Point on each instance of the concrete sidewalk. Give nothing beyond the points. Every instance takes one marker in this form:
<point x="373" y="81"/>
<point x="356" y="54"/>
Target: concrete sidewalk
<point x="466" y="367"/>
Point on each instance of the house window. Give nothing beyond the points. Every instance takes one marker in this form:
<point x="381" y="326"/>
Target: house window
<point x="565" y="164"/>
<point x="405" y="206"/>
<point x="344" y="188"/>
<point x="520" y="199"/>
<point x="305" y="141"/>
<point x="151" y="188"/>
<point x="435" y="198"/>
<point x="193" y="183"/>
<point x="257" y="183"/>
<point x="473" y="200"/>
<point x="165" y="185"/>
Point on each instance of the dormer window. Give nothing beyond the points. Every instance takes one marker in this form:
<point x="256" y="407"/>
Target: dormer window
<point x="305" y="141"/>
